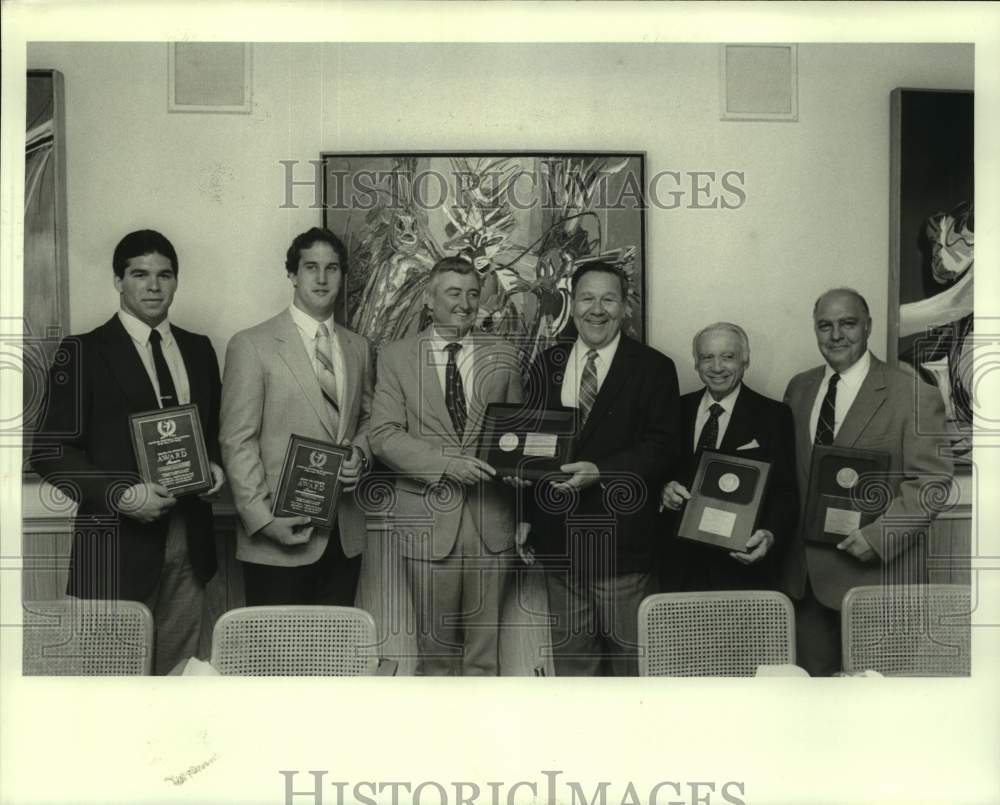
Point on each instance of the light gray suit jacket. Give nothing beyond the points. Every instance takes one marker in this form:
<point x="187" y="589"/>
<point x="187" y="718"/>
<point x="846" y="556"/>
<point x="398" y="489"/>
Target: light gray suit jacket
<point x="269" y="392"/>
<point x="896" y="413"/>
<point x="412" y="432"/>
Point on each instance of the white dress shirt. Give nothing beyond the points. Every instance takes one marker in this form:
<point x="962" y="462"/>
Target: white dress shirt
<point x="309" y="330"/>
<point x="438" y="355"/>
<point x="847" y="389"/>
<point x="727" y="403"/>
<point x="139" y="333"/>
<point x="576" y="363"/>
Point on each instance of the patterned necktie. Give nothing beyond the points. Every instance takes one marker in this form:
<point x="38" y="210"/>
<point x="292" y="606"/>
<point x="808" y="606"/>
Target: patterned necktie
<point x="588" y="386"/>
<point x="327" y="377"/>
<point x="710" y="433"/>
<point x="827" y="413"/>
<point x="168" y="394"/>
<point x="454" y="392"/>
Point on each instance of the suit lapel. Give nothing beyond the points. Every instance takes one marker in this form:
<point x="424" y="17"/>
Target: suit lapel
<point x="127" y="366"/>
<point x="192" y="366"/>
<point x="803" y="438"/>
<point x="871" y="397"/>
<point x="293" y="353"/>
<point x="483" y="391"/>
<point x="430" y="383"/>
<point x="740" y="429"/>
<point x="353" y="371"/>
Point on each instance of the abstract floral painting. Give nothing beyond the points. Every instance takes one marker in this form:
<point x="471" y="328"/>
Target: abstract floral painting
<point x="526" y="221"/>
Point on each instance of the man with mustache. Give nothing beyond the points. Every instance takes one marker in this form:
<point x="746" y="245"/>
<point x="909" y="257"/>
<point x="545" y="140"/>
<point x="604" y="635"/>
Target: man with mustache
<point x="728" y="416"/>
<point x="135" y="540"/>
<point x="298" y="373"/>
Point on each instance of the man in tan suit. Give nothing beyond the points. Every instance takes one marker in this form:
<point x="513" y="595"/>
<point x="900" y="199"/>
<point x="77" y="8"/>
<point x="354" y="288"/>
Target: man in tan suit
<point x="297" y="373"/>
<point x="455" y="522"/>
<point x="857" y="401"/>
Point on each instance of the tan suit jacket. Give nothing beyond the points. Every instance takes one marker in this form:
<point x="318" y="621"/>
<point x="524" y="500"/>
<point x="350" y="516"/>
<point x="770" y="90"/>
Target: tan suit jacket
<point x="412" y="432"/>
<point x="269" y="392"/>
<point x="896" y="413"/>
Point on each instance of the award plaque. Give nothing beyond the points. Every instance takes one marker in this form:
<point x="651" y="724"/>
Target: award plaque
<point x="170" y="449"/>
<point x="527" y="443"/>
<point x="725" y="500"/>
<point x="310" y="481"/>
<point x="837" y="502"/>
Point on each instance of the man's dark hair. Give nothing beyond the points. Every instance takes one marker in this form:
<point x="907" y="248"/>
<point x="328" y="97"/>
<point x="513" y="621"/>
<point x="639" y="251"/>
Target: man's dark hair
<point x="604" y="268"/>
<point x="455" y="264"/>
<point x="309" y="239"/>
<point x="138" y="244"/>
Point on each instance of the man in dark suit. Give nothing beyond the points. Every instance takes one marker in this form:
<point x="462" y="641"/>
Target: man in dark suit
<point x="728" y="416"/>
<point x="857" y="401"/>
<point x="593" y="530"/>
<point x="298" y="373"/>
<point x="455" y="523"/>
<point x="134" y="540"/>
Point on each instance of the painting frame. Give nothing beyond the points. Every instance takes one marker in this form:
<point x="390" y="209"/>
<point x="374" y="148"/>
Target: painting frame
<point x="485" y="211"/>
<point x="931" y="243"/>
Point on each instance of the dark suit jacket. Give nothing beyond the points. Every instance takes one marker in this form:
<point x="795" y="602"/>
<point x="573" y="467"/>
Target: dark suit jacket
<point x="899" y="414"/>
<point x="691" y="566"/>
<point x="632" y="437"/>
<point x="84" y="447"/>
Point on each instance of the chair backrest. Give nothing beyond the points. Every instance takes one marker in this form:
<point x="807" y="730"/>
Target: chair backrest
<point x="721" y="633"/>
<point x="87" y="637"/>
<point x="295" y="641"/>
<point x="907" y="629"/>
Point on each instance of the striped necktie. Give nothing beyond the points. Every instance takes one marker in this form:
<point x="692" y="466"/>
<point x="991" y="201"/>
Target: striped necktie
<point x="326" y="375"/>
<point x="588" y="386"/>
<point x="827" y="413"/>
<point x="454" y="391"/>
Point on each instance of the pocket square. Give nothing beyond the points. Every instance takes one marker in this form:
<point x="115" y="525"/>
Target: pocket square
<point x="749" y="445"/>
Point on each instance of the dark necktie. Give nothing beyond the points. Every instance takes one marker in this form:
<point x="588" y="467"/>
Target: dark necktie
<point x="168" y="394"/>
<point x="588" y="386"/>
<point x="827" y="413"/>
<point x="710" y="433"/>
<point x="454" y="393"/>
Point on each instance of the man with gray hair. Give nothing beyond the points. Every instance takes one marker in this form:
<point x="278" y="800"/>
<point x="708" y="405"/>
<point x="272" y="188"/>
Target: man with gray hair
<point x="728" y="416"/>
<point x="856" y="401"/>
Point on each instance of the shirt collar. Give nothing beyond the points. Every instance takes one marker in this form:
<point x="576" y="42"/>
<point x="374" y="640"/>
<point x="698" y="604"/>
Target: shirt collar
<point x="853" y="375"/>
<point x="308" y="325"/>
<point x="728" y="402"/>
<point x="605" y="353"/>
<point x="439" y="343"/>
<point x="139" y="331"/>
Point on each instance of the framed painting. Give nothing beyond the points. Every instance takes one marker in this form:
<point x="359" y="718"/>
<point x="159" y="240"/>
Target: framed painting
<point x="526" y="220"/>
<point x="932" y="240"/>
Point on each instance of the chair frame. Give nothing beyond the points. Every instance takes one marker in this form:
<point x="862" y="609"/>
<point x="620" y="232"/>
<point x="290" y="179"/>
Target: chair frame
<point x="725" y="601"/>
<point x="895" y="601"/>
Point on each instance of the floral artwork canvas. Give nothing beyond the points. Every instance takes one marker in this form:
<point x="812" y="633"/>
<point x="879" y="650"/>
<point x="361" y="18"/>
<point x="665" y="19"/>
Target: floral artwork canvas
<point x="526" y="221"/>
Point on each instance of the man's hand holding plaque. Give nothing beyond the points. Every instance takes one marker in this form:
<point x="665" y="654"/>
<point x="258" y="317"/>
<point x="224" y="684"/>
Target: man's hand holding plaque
<point x="309" y="485"/>
<point x="525" y="445"/>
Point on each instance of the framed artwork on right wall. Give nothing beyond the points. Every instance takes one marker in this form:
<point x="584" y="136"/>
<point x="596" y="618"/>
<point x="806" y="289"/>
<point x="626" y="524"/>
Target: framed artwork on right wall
<point x="932" y="235"/>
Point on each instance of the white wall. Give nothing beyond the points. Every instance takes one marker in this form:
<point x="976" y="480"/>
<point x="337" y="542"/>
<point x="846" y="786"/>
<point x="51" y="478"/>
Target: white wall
<point x="816" y="214"/>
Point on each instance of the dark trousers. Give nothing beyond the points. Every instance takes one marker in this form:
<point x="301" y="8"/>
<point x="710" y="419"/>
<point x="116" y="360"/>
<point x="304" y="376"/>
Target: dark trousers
<point x="595" y="629"/>
<point x="331" y="580"/>
<point x="817" y="635"/>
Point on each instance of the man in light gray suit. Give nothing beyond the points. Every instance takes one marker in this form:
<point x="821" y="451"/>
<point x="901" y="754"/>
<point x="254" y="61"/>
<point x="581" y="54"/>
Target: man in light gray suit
<point x="297" y="373"/>
<point x="455" y="522"/>
<point x="856" y="401"/>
